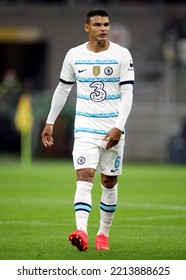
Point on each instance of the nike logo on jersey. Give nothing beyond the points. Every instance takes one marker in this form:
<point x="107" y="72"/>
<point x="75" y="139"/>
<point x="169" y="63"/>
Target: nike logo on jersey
<point x="80" y="71"/>
<point x="131" y="67"/>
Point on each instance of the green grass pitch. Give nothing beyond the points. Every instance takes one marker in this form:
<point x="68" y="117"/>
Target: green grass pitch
<point x="37" y="215"/>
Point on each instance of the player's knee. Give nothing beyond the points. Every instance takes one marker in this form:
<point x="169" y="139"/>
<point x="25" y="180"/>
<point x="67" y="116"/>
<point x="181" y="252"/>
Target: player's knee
<point x="108" y="181"/>
<point x="86" y="174"/>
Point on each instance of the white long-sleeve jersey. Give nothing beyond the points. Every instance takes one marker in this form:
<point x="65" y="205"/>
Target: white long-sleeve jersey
<point x="104" y="89"/>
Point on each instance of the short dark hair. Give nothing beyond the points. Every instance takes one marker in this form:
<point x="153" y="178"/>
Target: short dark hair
<point x="95" y="12"/>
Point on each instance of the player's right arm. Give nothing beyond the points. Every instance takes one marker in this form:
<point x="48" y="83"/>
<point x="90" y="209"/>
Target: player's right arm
<point x="58" y="101"/>
<point x="46" y="136"/>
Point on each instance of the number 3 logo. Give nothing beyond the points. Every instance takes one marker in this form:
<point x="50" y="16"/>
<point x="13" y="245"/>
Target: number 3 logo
<point x="99" y="94"/>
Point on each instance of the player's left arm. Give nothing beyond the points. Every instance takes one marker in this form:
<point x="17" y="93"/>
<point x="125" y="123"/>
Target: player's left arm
<point x="126" y="90"/>
<point x="114" y="135"/>
<point x="125" y="106"/>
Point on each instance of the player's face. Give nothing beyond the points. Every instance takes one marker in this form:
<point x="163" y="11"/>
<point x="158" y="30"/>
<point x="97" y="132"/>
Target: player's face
<point x="98" y="28"/>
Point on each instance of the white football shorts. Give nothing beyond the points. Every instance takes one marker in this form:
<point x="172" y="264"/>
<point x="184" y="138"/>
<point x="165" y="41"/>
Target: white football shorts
<point x="91" y="153"/>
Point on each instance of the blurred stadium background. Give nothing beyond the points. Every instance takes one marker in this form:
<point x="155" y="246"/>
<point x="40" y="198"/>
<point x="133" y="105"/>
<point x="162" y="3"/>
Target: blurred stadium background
<point x="34" y="38"/>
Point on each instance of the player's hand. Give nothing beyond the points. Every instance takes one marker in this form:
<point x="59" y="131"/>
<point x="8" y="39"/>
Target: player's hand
<point x="112" y="137"/>
<point x="46" y="135"/>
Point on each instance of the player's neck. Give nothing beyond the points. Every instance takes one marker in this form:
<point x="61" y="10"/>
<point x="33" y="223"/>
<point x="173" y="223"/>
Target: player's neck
<point x="98" y="46"/>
